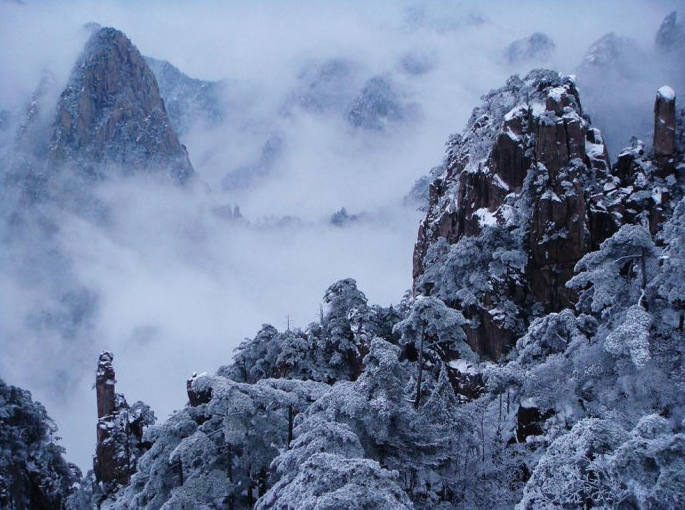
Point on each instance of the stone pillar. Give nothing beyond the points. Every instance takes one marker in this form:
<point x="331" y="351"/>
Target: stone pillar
<point x="104" y="384"/>
<point x="106" y="462"/>
<point x="664" y="122"/>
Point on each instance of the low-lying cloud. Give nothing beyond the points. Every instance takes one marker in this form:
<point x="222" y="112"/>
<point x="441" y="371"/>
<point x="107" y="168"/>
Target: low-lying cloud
<point x="172" y="286"/>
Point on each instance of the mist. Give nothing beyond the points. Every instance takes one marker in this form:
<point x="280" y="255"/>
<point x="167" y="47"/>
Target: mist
<point x="171" y="286"/>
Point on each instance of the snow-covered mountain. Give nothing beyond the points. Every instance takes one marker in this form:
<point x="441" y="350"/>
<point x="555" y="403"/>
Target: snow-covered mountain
<point x="536" y="362"/>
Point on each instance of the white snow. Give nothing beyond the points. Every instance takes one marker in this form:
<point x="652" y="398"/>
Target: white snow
<point x="556" y="93"/>
<point x="512" y="135"/>
<point x="514" y="112"/>
<point x="465" y="367"/>
<point x="550" y="195"/>
<point x="666" y="93"/>
<point x="485" y="217"/>
<point x="538" y="108"/>
<point x="497" y="180"/>
<point x="594" y="150"/>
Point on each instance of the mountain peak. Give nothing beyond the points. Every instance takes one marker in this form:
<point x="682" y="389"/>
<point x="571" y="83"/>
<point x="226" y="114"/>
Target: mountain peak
<point x="111" y="114"/>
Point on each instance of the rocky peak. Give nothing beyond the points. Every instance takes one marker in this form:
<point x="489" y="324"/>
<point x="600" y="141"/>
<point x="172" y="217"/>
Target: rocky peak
<point x="528" y="186"/>
<point x="377" y="105"/>
<point x="671" y="34"/>
<point x="611" y="53"/>
<point x="111" y="114"/>
<point x="104" y="384"/>
<point x="537" y="46"/>
<point x="530" y="164"/>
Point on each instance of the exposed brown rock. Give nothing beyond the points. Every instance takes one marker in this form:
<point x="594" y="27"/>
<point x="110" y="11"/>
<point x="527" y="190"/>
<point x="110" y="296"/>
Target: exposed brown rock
<point x="664" y="123"/>
<point x="108" y="465"/>
<point x="532" y="128"/>
<point x="104" y="385"/>
<point x="120" y="430"/>
<point x="111" y="114"/>
<point x="197" y="397"/>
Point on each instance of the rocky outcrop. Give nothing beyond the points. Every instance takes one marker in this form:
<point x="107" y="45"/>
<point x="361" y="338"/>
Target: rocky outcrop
<point x="530" y="166"/>
<point x="530" y="163"/>
<point x="664" y="123"/>
<point x="671" y="34"/>
<point x="111" y="114"/>
<point x="187" y="100"/>
<point x="536" y="47"/>
<point x="611" y="53"/>
<point x="377" y="105"/>
<point x="119" y="431"/>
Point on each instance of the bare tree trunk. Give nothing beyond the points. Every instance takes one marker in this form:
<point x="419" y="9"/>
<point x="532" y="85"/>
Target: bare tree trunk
<point x="229" y="472"/>
<point x="291" y="417"/>
<point x="643" y="282"/>
<point x="482" y="436"/>
<point x="499" y="419"/>
<point x="262" y="482"/>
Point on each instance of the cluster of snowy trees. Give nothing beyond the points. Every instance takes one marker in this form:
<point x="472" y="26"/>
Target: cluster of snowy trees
<point x="390" y="408"/>
<point x="33" y="472"/>
<point x="585" y="412"/>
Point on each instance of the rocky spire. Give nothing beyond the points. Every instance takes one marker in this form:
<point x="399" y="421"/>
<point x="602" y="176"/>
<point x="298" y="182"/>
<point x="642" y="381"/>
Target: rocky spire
<point x="530" y="164"/>
<point x="119" y="430"/>
<point x="104" y="385"/>
<point x="528" y="183"/>
<point x="109" y="466"/>
<point x="671" y="34"/>
<point x="111" y="114"/>
<point x="664" y="122"/>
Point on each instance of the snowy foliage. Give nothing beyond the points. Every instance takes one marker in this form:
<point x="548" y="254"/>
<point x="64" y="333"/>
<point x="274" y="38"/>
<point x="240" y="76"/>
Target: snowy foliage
<point x="327" y="351"/>
<point x="572" y="472"/>
<point x="328" y="482"/>
<point x="616" y="276"/>
<point x="632" y="336"/>
<point x="431" y="323"/>
<point x="33" y="472"/>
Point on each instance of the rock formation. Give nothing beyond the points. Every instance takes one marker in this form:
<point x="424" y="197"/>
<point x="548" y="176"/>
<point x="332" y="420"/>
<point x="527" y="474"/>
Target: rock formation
<point x="377" y="105"/>
<point x="119" y="430"/>
<point x="536" y="47"/>
<point x="111" y="114"/>
<point x="530" y="166"/>
<point x="187" y="100"/>
<point x="671" y="34"/>
<point x="611" y="53"/>
<point x="664" y="122"/>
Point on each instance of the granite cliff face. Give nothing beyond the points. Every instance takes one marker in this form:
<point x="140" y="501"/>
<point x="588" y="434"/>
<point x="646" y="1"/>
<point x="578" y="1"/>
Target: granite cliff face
<point x="530" y="167"/>
<point x="111" y="114"/>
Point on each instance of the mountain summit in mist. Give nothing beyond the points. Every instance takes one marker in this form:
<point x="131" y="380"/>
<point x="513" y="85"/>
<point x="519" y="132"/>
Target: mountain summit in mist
<point x="536" y="362"/>
<point x="111" y="114"/>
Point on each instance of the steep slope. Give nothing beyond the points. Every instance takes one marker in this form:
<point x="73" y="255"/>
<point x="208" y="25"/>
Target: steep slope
<point x="187" y="100"/>
<point x="111" y="114"/>
<point x="671" y="34"/>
